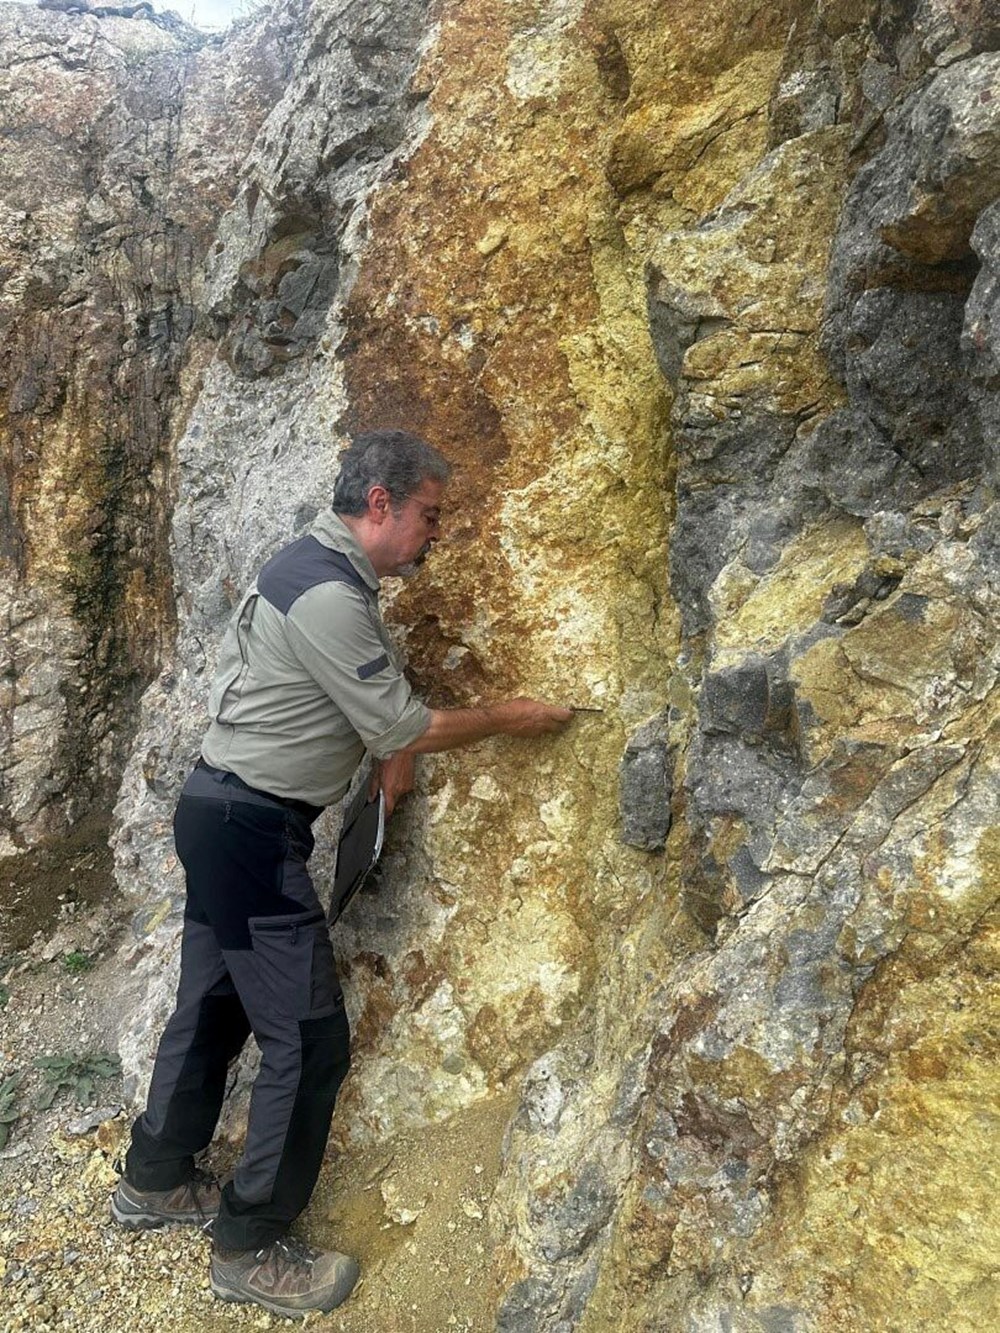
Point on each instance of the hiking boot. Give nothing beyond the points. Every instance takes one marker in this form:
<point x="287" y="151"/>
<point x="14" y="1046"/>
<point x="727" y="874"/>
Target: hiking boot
<point x="287" y="1277"/>
<point x="195" y="1203"/>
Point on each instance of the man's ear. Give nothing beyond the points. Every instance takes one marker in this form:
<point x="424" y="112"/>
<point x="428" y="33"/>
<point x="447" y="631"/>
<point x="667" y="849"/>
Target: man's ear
<point x="378" y="504"/>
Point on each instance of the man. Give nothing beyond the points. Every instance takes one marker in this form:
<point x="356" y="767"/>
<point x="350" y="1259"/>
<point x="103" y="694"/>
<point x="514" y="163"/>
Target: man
<point x="308" y="681"/>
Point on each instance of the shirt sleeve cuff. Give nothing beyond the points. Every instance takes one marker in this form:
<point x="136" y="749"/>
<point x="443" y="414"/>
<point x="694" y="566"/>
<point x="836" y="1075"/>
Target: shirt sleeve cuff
<point x="412" y="722"/>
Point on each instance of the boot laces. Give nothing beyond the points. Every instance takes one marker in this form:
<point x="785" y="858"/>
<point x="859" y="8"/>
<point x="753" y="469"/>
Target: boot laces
<point x="201" y="1180"/>
<point x="289" y="1252"/>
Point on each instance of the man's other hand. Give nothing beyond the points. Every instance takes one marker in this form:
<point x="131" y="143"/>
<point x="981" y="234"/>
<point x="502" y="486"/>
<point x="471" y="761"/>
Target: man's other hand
<point x="531" y="717"/>
<point x="396" y="777"/>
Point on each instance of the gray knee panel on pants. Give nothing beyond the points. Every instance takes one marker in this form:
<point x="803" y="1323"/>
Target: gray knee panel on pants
<point x="286" y="978"/>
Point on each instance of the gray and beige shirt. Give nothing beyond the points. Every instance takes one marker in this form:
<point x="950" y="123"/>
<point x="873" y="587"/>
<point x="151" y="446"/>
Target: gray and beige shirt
<point x="308" y="678"/>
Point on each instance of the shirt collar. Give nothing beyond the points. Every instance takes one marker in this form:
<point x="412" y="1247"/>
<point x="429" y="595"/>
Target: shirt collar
<point x="332" y="531"/>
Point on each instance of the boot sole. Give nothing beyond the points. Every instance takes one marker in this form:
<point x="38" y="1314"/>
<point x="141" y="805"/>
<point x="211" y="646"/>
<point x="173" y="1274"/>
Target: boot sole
<point x="238" y="1298"/>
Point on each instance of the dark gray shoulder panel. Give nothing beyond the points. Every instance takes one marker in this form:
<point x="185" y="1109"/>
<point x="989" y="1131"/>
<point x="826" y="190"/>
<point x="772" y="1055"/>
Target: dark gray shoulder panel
<point x="298" y="567"/>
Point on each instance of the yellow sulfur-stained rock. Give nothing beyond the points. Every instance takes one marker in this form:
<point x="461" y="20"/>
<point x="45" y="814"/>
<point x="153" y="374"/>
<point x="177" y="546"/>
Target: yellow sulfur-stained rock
<point x="886" y="1221"/>
<point x="790" y="598"/>
<point x="556" y="427"/>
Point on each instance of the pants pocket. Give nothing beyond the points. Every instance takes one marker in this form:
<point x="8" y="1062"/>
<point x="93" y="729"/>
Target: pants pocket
<point x="294" y="961"/>
<point x="298" y="836"/>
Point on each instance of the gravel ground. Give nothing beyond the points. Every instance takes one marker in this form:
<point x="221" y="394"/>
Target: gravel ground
<point x="413" y="1211"/>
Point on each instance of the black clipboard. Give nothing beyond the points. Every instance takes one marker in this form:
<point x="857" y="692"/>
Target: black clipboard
<point x="359" y="847"/>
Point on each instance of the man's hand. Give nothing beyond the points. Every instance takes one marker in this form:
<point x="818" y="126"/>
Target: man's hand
<point x="531" y="717"/>
<point x="395" y="776"/>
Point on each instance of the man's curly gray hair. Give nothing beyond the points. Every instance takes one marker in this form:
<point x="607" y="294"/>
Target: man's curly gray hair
<point x="394" y="459"/>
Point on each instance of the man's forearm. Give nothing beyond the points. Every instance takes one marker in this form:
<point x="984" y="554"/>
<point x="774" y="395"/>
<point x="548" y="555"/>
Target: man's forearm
<point x="451" y="727"/>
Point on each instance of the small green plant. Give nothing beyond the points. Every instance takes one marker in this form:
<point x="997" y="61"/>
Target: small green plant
<point x="4" y="995"/>
<point x="76" y="1074"/>
<point x="76" y="962"/>
<point x="8" y="1095"/>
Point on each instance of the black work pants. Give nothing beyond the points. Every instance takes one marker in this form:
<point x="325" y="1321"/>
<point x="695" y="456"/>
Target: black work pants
<point x="255" y="957"/>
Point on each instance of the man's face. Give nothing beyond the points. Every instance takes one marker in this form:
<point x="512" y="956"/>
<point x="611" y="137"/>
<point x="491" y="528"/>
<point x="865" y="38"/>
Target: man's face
<point x="412" y="527"/>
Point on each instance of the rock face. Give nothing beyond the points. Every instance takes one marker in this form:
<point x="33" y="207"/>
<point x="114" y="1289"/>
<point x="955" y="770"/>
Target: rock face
<point x="704" y="307"/>
<point x="122" y="139"/>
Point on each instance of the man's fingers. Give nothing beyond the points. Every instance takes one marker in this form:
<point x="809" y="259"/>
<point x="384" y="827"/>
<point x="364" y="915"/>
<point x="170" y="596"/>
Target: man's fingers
<point x="535" y="717"/>
<point x="396" y="778"/>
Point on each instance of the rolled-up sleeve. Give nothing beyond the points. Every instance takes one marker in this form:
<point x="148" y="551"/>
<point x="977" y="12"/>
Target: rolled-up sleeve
<point x="333" y="633"/>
